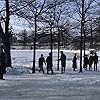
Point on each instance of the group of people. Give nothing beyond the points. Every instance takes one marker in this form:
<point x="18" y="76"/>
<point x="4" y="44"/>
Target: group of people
<point x="48" y="61"/>
<point x="89" y="61"/>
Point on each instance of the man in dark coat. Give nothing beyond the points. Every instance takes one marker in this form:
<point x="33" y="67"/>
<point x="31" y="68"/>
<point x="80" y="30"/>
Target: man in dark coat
<point x="41" y="60"/>
<point x="2" y="63"/>
<point x="95" y="59"/>
<point x="74" y="62"/>
<point x="63" y="62"/>
<point x="86" y="62"/>
<point x="49" y="63"/>
<point x="90" y="62"/>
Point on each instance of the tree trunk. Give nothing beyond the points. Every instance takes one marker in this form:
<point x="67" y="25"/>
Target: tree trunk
<point x="34" y="51"/>
<point x="51" y="40"/>
<point x="7" y="52"/>
<point x="82" y="33"/>
<point x="58" y="50"/>
<point x="7" y="35"/>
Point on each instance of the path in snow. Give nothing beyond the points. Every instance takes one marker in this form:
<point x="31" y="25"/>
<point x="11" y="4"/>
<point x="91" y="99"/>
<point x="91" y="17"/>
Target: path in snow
<point x="69" y="86"/>
<point x="20" y="84"/>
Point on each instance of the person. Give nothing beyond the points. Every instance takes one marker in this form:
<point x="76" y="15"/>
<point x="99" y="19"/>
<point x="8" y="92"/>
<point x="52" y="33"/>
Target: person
<point x="95" y="60"/>
<point x="74" y="66"/>
<point x="41" y="60"/>
<point x="49" y="63"/>
<point x="63" y="62"/>
<point x="86" y="62"/>
<point x="2" y="63"/>
<point x="90" y="62"/>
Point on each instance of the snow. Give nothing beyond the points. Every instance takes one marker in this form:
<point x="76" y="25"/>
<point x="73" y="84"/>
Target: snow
<point x="21" y="84"/>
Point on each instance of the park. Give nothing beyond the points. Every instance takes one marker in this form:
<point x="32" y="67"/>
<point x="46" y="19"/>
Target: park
<point x="29" y="28"/>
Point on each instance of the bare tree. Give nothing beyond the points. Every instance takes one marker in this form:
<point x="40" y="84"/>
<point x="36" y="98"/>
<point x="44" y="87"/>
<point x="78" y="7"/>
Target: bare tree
<point x="5" y="34"/>
<point x="29" y="10"/>
<point x="81" y="13"/>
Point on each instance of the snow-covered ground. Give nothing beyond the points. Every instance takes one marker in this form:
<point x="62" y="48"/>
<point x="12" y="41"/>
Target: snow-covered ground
<point x="20" y="84"/>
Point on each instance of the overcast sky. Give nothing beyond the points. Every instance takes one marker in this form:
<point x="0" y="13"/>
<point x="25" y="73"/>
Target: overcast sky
<point x="19" y="24"/>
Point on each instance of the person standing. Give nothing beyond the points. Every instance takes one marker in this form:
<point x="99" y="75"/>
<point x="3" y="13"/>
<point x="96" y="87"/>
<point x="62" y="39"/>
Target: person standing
<point x="63" y="62"/>
<point x="2" y="63"/>
<point x="49" y="63"/>
<point x="86" y="62"/>
<point x="41" y="60"/>
<point x="90" y="62"/>
<point x="74" y="66"/>
<point x="95" y="60"/>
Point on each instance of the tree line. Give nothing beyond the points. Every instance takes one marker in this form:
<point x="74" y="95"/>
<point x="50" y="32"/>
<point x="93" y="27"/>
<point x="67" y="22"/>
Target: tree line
<point x="65" y="19"/>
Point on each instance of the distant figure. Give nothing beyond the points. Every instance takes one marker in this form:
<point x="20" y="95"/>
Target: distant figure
<point x="41" y="60"/>
<point x="95" y="59"/>
<point x="90" y="62"/>
<point x="74" y="66"/>
<point x="86" y="62"/>
<point x="2" y="63"/>
<point x="63" y="62"/>
<point x="49" y="63"/>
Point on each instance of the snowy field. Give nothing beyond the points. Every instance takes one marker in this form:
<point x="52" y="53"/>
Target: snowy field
<point x="20" y="84"/>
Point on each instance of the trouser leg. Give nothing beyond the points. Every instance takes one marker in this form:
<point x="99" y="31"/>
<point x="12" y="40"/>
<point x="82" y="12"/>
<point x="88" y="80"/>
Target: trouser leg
<point x="89" y="67"/>
<point x="1" y="75"/>
<point x="47" y="69"/>
<point x="42" y="69"/>
<point x="96" y="67"/>
<point x="51" y="70"/>
<point x="64" y="69"/>
<point x="74" y="69"/>
<point x="61" y="70"/>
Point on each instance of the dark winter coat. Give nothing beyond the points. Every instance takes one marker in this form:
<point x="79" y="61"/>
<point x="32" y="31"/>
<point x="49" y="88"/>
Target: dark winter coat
<point x="41" y="60"/>
<point x="86" y="61"/>
<point x="63" y="60"/>
<point x="2" y="63"/>
<point x="49" y="61"/>
<point x="90" y="60"/>
<point x="74" y="62"/>
<point x="95" y="59"/>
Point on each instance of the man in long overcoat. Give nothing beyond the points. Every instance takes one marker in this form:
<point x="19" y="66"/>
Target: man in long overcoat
<point x="74" y="66"/>
<point x="63" y="62"/>
<point x="90" y="62"/>
<point x="49" y="63"/>
<point x="95" y="60"/>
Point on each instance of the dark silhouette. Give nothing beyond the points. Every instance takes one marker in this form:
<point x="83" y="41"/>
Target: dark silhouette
<point x="74" y="66"/>
<point x="95" y="60"/>
<point x="86" y="62"/>
<point x="2" y="63"/>
<point x="41" y="60"/>
<point x="63" y="62"/>
<point x="90" y="62"/>
<point x="49" y="63"/>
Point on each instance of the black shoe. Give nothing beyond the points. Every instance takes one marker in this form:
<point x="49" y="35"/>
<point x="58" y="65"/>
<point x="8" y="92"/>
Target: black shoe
<point x="2" y="79"/>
